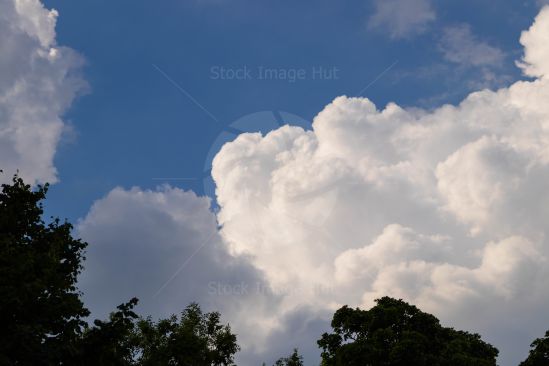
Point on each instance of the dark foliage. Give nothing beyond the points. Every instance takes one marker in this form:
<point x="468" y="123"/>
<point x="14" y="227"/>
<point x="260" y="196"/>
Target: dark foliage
<point x="539" y="354"/>
<point x="109" y="342"/>
<point x="40" y="308"/>
<point x="396" y="333"/>
<point x="195" y="338"/>
<point x="292" y="360"/>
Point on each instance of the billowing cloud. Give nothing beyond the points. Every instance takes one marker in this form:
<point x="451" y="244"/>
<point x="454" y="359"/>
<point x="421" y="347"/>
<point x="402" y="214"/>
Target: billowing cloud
<point x="153" y="244"/>
<point x="402" y="18"/>
<point x="444" y="208"/>
<point x="38" y="83"/>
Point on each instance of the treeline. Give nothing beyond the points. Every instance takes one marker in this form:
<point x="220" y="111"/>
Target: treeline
<point x="42" y="314"/>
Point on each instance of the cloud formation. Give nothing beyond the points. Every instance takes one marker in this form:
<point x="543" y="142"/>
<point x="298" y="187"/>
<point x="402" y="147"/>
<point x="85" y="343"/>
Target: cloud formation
<point x="443" y="208"/>
<point x="159" y="245"/>
<point x="39" y="81"/>
<point x="402" y="18"/>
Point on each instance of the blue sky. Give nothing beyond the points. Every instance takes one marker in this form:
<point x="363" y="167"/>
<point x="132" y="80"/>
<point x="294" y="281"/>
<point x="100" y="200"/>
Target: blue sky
<point x="134" y="125"/>
<point x="138" y="113"/>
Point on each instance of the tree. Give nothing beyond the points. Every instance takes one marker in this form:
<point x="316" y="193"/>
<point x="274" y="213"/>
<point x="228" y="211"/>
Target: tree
<point x="110" y="342"/>
<point x="539" y="354"/>
<point x="396" y="333"/>
<point x="195" y="339"/>
<point x="292" y="360"/>
<point x="40" y="308"/>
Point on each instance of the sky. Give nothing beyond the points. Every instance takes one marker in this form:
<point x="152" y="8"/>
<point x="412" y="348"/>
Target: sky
<point x="277" y="160"/>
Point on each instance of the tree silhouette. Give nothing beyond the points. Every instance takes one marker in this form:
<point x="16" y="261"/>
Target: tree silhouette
<point x="195" y="338"/>
<point x="396" y="333"/>
<point x="292" y="360"/>
<point x="539" y="354"/>
<point x="40" y="308"/>
<point x="109" y="342"/>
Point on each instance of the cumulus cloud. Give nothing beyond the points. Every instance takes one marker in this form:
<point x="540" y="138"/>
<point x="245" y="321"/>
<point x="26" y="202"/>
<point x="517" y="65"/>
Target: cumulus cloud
<point x="153" y="244"/>
<point x="39" y="81"/>
<point x="444" y="208"/>
<point x="402" y="18"/>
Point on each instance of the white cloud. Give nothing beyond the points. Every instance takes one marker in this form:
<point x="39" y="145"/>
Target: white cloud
<point x="478" y="177"/>
<point x="39" y="81"/>
<point x="402" y="18"/>
<point x="459" y="45"/>
<point x="445" y="208"/>
<point x="536" y="44"/>
<point x="396" y="244"/>
<point x="509" y="268"/>
<point x="140" y="239"/>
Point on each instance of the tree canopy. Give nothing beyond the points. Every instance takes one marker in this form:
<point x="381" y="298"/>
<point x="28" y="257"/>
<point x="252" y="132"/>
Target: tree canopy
<point x="539" y="353"/>
<point x="396" y="333"/>
<point x="194" y="338"/>
<point x="40" y="308"/>
<point x="109" y="342"/>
